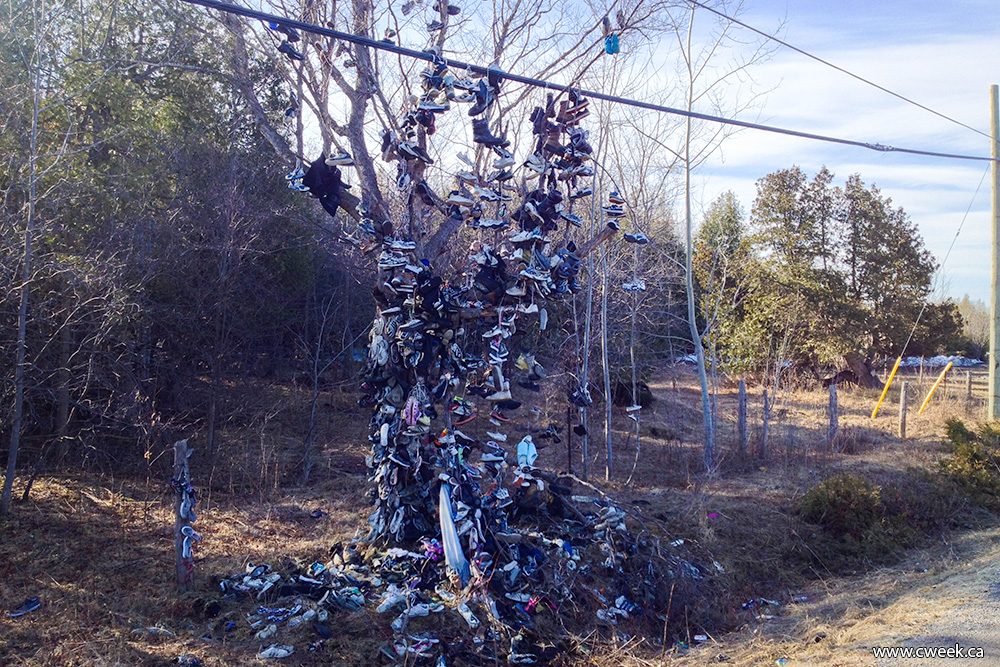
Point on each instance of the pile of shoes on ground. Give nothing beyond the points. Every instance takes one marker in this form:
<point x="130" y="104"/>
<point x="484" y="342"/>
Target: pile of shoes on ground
<point x="564" y="562"/>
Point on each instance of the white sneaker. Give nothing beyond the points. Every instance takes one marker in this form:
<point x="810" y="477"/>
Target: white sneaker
<point x="276" y="651"/>
<point x="502" y="395"/>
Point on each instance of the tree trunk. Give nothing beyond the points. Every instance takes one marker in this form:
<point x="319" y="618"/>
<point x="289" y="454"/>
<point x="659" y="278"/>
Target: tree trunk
<point x="22" y="313"/>
<point x="831" y="430"/>
<point x="862" y="370"/>
<point x="604" y="362"/>
<point x="63" y="379"/>
<point x="766" y="428"/>
<point x="741" y="420"/>
<point x="708" y="453"/>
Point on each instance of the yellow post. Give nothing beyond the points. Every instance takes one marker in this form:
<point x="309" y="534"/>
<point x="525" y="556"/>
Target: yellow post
<point x="935" y="386"/>
<point x="885" y="390"/>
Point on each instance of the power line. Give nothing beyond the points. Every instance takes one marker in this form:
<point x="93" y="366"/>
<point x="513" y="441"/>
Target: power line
<point x="838" y="68"/>
<point x="540" y="83"/>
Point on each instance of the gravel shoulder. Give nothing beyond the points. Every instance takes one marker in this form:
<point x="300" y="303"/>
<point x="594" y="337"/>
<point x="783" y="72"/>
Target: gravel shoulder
<point x="939" y="597"/>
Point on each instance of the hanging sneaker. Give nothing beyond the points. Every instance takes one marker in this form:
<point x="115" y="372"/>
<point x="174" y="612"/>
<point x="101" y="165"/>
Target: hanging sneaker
<point x="486" y="194"/>
<point x="425" y="193"/>
<point x="572" y="219"/>
<point x="613" y="211"/>
<point x="412" y="151"/>
<point x="388" y="145"/>
<point x="451" y="9"/>
<point x="484" y="99"/>
<point x="290" y="33"/>
<point x="293" y="107"/>
<point x="341" y="159"/>
<point x="456" y="197"/>
<point x="638" y="238"/>
<point x="290" y="51"/>
<point x="433" y="106"/>
<point x="481" y="134"/>
<point x="536" y="163"/>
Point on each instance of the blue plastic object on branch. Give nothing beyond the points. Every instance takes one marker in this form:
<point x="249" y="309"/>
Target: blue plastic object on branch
<point x="611" y="44"/>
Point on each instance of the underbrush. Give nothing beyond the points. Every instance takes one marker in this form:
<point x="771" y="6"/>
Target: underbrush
<point x="860" y="521"/>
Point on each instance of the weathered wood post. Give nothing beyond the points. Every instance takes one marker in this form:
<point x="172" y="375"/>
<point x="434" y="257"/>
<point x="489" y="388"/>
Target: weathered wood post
<point x="766" y="427"/>
<point x="183" y="504"/>
<point x="831" y="430"/>
<point x="968" y="386"/>
<point x="741" y="420"/>
<point x="902" y="410"/>
<point x="569" y="440"/>
<point x="920" y="382"/>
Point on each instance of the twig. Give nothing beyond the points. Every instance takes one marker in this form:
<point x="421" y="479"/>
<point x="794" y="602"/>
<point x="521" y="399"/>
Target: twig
<point x="666" y="619"/>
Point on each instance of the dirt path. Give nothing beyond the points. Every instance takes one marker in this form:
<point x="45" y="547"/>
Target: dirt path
<point x="941" y="597"/>
<point x="962" y="610"/>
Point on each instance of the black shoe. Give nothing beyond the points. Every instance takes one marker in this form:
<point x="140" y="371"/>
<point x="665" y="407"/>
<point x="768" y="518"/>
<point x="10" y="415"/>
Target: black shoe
<point x="493" y="79"/>
<point x="481" y="134"/>
<point x="411" y="150"/>
<point x="452" y="9"/>
<point x="484" y="98"/>
<point x="285" y="30"/>
<point x="29" y="605"/>
<point x="290" y="51"/>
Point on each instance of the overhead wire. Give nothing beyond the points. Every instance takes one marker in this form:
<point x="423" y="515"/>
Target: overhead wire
<point x="540" y="83"/>
<point x="837" y="67"/>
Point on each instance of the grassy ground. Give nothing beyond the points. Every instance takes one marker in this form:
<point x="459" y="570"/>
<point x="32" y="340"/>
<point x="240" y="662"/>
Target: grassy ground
<point x="98" y="550"/>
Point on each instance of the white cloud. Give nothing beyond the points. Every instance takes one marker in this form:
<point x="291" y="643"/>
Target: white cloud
<point x="946" y="71"/>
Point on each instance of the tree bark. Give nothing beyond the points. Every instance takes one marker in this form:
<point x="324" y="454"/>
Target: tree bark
<point x="862" y="370"/>
<point x="22" y="313"/>
<point x="741" y="420"/>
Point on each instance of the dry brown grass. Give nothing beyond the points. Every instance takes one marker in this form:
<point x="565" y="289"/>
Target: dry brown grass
<point x="98" y="550"/>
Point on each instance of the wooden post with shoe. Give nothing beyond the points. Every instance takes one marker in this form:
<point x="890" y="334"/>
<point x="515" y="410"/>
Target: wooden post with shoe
<point x="184" y="534"/>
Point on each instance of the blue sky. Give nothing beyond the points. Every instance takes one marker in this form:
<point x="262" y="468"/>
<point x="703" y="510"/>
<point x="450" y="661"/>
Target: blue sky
<point x="944" y="55"/>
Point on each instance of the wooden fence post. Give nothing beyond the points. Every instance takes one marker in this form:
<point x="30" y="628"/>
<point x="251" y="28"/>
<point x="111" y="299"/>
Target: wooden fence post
<point x="968" y="386"/>
<point x="921" y="381"/>
<point x="766" y="427"/>
<point x="741" y="420"/>
<point x="184" y="501"/>
<point x="902" y="410"/>
<point x="831" y="431"/>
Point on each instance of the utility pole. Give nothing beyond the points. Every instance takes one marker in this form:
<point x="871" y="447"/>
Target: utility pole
<point x="993" y="405"/>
